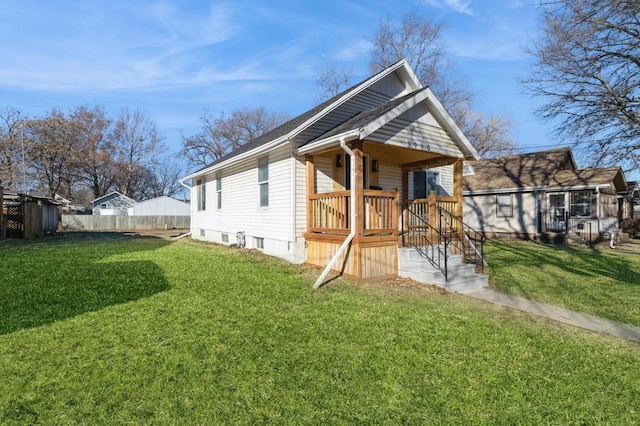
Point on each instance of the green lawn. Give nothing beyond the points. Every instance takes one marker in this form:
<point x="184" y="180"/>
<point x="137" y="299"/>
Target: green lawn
<point x="605" y="283"/>
<point x="148" y="331"/>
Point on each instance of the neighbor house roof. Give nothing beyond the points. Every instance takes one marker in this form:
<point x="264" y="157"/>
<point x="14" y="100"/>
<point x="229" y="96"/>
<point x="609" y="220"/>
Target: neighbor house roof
<point x="522" y="171"/>
<point x="590" y="178"/>
<point x="113" y="195"/>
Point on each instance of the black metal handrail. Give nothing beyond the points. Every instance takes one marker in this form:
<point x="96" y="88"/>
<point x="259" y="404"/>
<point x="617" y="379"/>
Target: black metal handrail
<point x="470" y="243"/>
<point x="429" y="242"/>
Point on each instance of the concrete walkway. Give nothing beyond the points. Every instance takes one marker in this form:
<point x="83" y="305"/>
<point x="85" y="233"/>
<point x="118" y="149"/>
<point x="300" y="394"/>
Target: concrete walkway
<point x="555" y="313"/>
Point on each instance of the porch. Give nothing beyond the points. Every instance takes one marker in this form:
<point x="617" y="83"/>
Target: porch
<point x="382" y="220"/>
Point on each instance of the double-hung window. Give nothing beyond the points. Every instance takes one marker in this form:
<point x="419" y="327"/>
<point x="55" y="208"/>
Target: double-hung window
<point x="504" y="205"/>
<point x="263" y="181"/>
<point x="201" y="185"/>
<point x="219" y="190"/>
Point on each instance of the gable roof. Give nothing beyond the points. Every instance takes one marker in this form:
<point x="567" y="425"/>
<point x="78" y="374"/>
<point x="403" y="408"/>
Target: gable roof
<point x="296" y="125"/>
<point x="114" y="194"/>
<point x="523" y="171"/>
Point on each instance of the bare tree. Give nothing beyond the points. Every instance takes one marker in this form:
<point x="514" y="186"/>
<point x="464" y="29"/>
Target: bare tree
<point x="49" y="142"/>
<point x="95" y="158"/>
<point x="332" y="80"/>
<point x="162" y="179"/>
<point x="10" y="146"/>
<point x="588" y="71"/>
<point x="138" y="144"/>
<point x="420" y="42"/>
<point x="221" y="135"/>
<point x="489" y="134"/>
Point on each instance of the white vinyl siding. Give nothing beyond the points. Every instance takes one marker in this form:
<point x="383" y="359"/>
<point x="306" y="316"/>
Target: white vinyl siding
<point x="242" y="211"/>
<point x="324" y="174"/>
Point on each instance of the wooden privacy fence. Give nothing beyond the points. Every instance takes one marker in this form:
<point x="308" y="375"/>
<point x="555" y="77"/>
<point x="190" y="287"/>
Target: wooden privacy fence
<point x="121" y="223"/>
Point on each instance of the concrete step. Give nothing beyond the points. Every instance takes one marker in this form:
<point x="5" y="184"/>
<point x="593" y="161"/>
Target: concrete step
<point x="462" y="277"/>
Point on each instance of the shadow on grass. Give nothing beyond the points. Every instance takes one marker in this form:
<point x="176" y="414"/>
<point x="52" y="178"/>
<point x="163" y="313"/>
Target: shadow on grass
<point x="48" y="280"/>
<point x="588" y="263"/>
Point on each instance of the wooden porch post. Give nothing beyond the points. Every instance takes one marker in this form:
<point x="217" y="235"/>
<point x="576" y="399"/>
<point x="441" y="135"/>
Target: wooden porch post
<point x="311" y="189"/>
<point x="356" y="147"/>
<point x="457" y="190"/>
<point x="404" y="198"/>
<point x="433" y="210"/>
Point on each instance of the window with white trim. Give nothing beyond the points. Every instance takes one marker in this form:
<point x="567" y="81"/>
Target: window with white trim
<point x="218" y="190"/>
<point x="263" y="181"/>
<point x="581" y="203"/>
<point x="259" y="241"/>
<point x="504" y="205"/>
<point x="424" y="182"/>
<point x="201" y="185"/>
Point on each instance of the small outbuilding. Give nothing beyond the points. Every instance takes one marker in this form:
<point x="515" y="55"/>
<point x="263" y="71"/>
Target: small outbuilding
<point x="112" y="204"/>
<point x="161" y="206"/>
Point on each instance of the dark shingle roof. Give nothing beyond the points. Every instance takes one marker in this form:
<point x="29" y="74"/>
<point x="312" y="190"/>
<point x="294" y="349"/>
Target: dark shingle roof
<point x="530" y="170"/>
<point x="590" y="178"/>
<point x="286" y="128"/>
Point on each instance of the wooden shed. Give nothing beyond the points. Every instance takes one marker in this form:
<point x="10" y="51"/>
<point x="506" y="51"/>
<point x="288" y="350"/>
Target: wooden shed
<point x="28" y="216"/>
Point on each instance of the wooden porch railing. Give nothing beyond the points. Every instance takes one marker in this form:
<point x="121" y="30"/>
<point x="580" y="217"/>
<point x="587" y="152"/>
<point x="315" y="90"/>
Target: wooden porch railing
<point x="428" y="210"/>
<point x="330" y="212"/>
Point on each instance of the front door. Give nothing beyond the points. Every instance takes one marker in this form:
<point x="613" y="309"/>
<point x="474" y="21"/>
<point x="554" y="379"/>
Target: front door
<point x="557" y="209"/>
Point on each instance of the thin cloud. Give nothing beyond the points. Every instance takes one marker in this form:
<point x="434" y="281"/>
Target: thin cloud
<point x="456" y="5"/>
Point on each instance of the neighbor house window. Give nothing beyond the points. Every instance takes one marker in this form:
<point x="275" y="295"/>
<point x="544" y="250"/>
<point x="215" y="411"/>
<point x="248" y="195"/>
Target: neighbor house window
<point x="202" y="194"/>
<point x="219" y="190"/>
<point x="504" y="205"/>
<point x="424" y="182"/>
<point x="263" y="180"/>
<point x="581" y="203"/>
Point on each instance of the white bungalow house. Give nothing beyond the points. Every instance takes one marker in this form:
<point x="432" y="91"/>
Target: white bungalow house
<point x="334" y="186"/>
<point x="112" y="204"/>
<point x="543" y="195"/>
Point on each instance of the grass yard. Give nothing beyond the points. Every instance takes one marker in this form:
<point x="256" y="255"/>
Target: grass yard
<point x="604" y="283"/>
<point x="149" y="331"/>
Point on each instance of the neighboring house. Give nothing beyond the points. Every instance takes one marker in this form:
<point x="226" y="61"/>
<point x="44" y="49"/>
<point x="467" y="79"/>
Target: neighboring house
<point x="112" y="204"/>
<point x="332" y="186"/>
<point x="28" y="215"/>
<point x="527" y="195"/>
<point x="161" y="206"/>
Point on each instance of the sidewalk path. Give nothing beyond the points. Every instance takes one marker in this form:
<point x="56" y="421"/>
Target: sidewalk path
<point x="555" y="313"/>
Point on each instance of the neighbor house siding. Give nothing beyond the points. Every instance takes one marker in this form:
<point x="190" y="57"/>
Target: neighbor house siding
<point x="479" y="212"/>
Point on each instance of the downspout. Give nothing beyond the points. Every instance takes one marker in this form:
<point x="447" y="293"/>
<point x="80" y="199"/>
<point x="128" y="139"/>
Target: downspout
<point x="352" y="233"/>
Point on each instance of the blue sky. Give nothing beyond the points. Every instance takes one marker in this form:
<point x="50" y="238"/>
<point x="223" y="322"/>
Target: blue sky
<point x="173" y="59"/>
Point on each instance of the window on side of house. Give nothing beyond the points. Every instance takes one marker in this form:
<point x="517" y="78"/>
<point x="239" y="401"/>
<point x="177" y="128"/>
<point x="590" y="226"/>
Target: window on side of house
<point x="581" y="203"/>
<point x="263" y="181"/>
<point x="219" y="190"/>
<point x="504" y="205"/>
<point x="201" y="184"/>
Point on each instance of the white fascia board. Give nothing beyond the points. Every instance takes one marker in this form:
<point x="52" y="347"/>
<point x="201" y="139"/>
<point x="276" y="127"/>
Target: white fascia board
<point x="578" y="188"/>
<point x="505" y="190"/>
<point x="251" y="153"/>
<point x="392" y="114"/>
<point x="447" y="122"/>
<point x="329" y="142"/>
